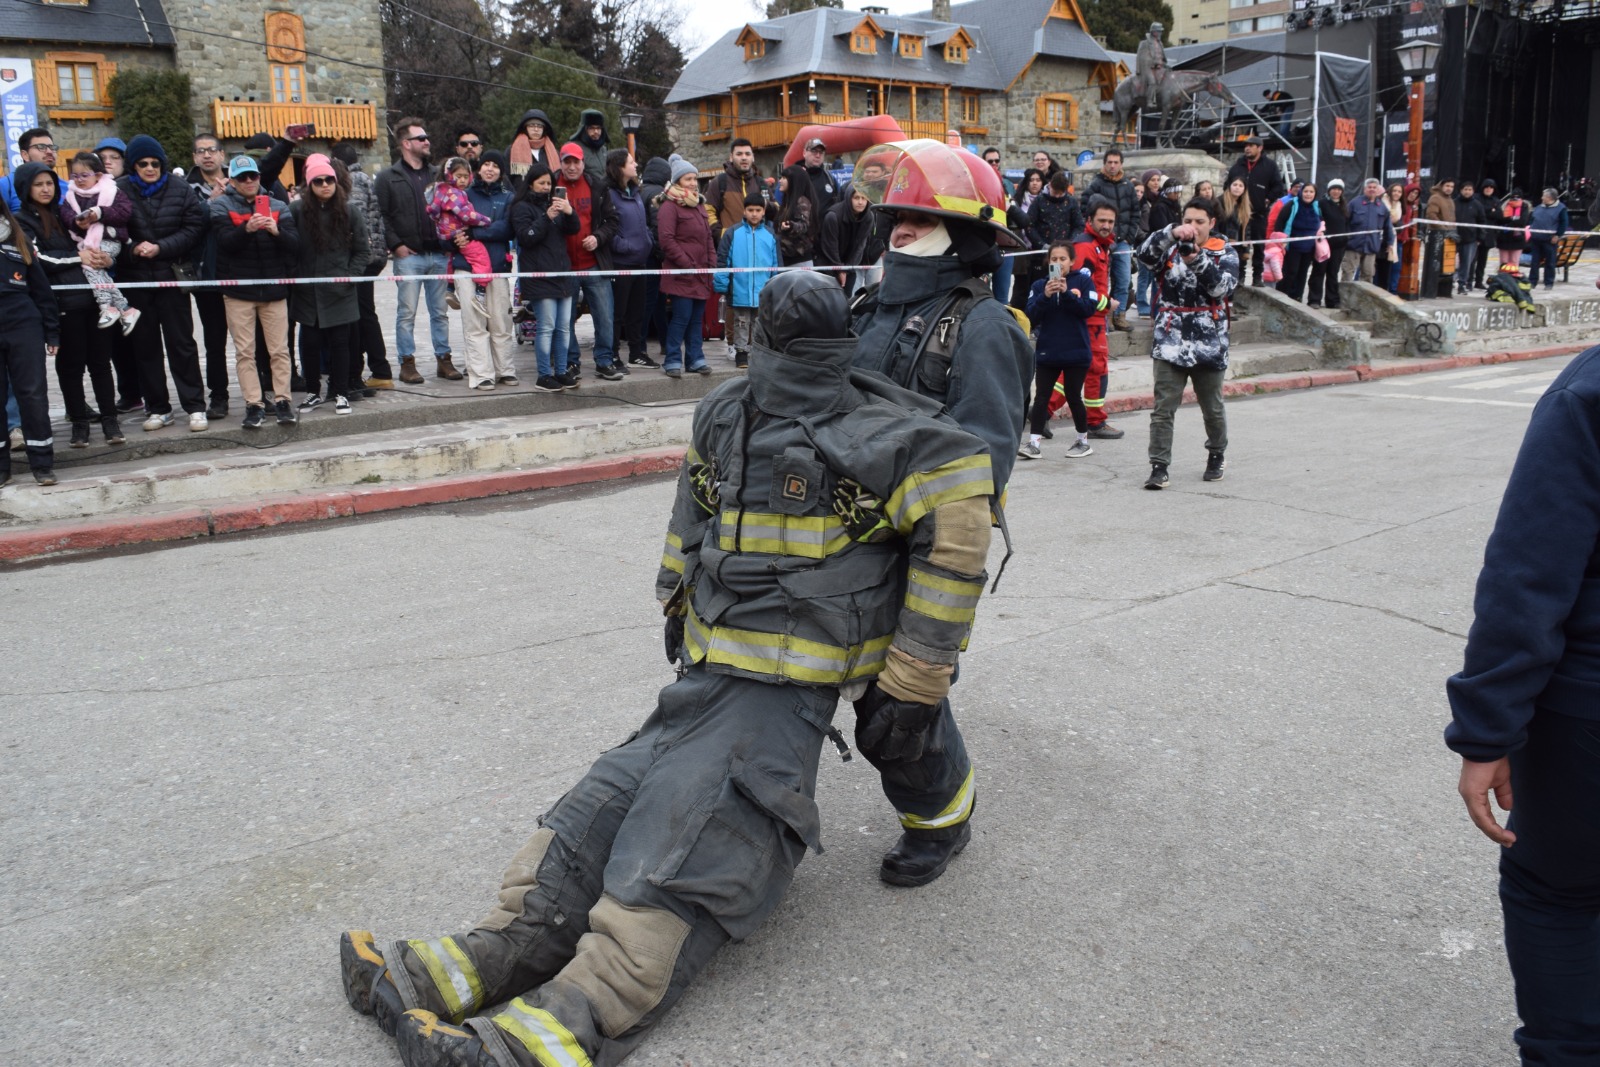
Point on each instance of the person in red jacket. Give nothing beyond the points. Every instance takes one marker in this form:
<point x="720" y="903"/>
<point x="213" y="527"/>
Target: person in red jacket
<point x="1092" y="253"/>
<point x="684" y="230"/>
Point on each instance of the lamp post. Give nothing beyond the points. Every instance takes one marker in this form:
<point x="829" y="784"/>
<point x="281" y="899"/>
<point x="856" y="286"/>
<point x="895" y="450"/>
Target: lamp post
<point x="631" y="122"/>
<point x="1417" y="59"/>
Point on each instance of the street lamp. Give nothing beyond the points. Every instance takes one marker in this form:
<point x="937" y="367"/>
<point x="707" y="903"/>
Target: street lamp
<point x="1417" y="58"/>
<point x="631" y="122"/>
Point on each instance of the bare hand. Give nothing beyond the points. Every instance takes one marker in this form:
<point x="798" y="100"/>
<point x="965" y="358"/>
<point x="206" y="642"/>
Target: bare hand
<point x="1115" y="304"/>
<point x="52" y="350"/>
<point x="256" y="222"/>
<point x="95" y="258"/>
<point x="553" y="210"/>
<point x="1478" y="780"/>
<point x="591" y="243"/>
<point x="1055" y="286"/>
<point x="462" y="238"/>
<point x="1185" y="232"/>
<point x="401" y="252"/>
<point x="785" y="224"/>
<point x="146" y="250"/>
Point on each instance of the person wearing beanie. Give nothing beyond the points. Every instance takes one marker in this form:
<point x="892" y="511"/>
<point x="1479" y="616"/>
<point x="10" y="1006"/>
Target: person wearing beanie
<point x="683" y="227"/>
<point x="167" y="223"/>
<point x="1493" y="215"/>
<point x="368" y="347"/>
<point x="751" y="244"/>
<point x="489" y="340"/>
<point x="332" y="244"/>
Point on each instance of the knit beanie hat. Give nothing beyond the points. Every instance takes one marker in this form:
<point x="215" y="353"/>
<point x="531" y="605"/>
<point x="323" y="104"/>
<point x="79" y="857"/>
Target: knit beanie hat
<point x="682" y="168"/>
<point x="146" y="147"/>
<point x="319" y="166"/>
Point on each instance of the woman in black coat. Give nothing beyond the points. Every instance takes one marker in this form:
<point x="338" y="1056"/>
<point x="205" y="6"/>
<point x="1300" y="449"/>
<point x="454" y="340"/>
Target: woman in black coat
<point x="84" y="346"/>
<point x="29" y="334"/>
<point x="850" y="238"/>
<point x="541" y="225"/>
<point x="1336" y="223"/>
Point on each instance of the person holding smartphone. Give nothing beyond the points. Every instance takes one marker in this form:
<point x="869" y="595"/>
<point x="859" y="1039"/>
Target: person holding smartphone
<point x="1059" y="306"/>
<point x="257" y="241"/>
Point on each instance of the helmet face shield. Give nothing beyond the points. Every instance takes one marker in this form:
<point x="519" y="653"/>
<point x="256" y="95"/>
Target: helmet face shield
<point x="936" y="179"/>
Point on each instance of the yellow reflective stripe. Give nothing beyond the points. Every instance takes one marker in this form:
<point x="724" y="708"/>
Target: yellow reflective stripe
<point x="943" y="598"/>
<point x="954" y="813"/>
<point x="807" y="536"/>
<point x="784" y="655"/>
<point x="551" y="1044"/>
<point x="453" y="975"/>
<point x="1095" y="402"/>
<point x="672" y="558"/>
<point x="691" y="456"/>
<point x="922" y="492"/>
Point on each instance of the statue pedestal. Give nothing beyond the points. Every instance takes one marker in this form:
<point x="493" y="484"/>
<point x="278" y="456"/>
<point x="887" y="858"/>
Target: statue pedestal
<point x="1187" y="165"/>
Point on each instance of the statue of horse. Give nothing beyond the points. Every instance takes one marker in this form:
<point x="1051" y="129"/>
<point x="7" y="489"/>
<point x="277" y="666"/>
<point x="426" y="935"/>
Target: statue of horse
<point x="1177" y="90"/>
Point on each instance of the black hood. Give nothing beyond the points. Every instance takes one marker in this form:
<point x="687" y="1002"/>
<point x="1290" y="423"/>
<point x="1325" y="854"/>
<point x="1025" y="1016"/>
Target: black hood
<point x="657" y="172"/>
<point x="22" y="182"/>
<point x="535" y="113"/>
<point x="800" y="304"/>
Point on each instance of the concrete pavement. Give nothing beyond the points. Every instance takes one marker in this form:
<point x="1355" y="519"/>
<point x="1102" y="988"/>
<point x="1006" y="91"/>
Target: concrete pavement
<point x="1217" y="823"/>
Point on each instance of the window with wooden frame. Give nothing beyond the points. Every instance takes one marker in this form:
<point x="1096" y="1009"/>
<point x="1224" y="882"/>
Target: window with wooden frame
<point x="754" y="48"/>
<point x="1056" y="115"/>
<point x="74" y="81"/>
<point x="711" y="115"/>
<point x="863" y="43"/>
<point x="971" y="108"/>
<point x="910" y="47"/>
<point x="286" y="52"/>
<point x="955" y="51"/>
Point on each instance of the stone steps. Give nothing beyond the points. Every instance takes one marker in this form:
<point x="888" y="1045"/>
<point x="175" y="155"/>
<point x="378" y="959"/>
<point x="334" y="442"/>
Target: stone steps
<point x="1134" y="374"/>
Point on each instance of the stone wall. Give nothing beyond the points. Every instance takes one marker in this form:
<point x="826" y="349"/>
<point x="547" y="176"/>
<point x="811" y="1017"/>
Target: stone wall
<point x="237" y="66"/>
<point x="72" y="135"/>
<point x="1011" y="117"/>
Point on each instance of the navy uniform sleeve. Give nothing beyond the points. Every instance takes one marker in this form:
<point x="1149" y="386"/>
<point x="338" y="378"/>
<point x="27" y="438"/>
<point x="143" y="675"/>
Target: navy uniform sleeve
<point x="1535" y="568"/>
<point x="989" y="381"/>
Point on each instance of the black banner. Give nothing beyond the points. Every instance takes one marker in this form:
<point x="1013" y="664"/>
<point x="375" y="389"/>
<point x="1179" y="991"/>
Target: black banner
<point x="1343" y="143"/>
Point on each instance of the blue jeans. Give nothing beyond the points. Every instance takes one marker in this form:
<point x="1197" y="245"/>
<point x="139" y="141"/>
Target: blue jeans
<point x="1141" y="290"/>
<point x="406" y="310"/>
<point x="598" y="292"/>
<point x="552" y="334"/>
<point x="14" y="413"/>
<point x="683" y="330"/>
<point x="1121" y="273"/>
<point x="1002" y="280"/>
<point x="1550" y="891"/>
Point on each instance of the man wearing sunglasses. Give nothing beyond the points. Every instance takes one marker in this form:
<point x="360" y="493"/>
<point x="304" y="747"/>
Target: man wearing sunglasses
<point x="168" y="221"/>
<point x="469" y="145"/>
<point x="414" y="246"/>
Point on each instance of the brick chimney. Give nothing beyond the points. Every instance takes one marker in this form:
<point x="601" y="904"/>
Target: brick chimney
<point x="941" y="10"/>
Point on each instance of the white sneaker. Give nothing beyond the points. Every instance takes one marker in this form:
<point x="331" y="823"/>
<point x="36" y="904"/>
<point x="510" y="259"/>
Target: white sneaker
<point x="109" y="317"/>
<point x="130" y="319"/>
<point x="1029" y="450"/>
<point x="18" y="442"/>
<point x="341" y="405"/>
<point x="1079" y="449"/>
<point x="197" y="422"/>
<point x="158" y="422"/>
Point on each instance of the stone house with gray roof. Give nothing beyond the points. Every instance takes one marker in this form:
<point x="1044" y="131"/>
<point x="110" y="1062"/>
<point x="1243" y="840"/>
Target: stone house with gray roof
<point x="1017" y="74"/>
<point x="253" y="67"/>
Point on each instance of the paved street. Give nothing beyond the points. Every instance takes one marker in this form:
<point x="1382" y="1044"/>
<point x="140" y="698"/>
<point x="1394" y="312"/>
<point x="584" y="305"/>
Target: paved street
<point x="1216" y="821"/>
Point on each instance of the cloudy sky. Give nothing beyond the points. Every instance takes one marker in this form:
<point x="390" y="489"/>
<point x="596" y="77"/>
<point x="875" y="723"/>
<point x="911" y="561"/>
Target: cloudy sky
<point x="706" y="20"/>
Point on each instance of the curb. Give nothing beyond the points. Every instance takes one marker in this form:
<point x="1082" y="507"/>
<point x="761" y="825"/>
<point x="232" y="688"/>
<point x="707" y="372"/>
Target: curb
<point x="222" y="519"/>
<point x="1316" y="379"/>
<point x="196" y="522"/>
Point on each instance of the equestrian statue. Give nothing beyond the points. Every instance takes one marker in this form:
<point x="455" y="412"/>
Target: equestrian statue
<point x="1154" y="84"/>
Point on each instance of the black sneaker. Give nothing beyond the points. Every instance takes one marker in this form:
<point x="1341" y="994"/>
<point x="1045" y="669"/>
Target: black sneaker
<point x="1158" y="475"/>
<point x="125" y="406"/>
<point x="80" y="435"/>
<point x="549" y="383"/>
<point x="217" y="410"/>
<point x="741" y="361"/>
<point x="608" y="371"/>
<point x="315" y="400"/>
<point x="1046" y="434"/>
<point x="1214" y="467"/>
<point x="45" y="476"/>
<point x="569" y="380"/>
<point x="1106" y="432"/>
<point x="643" y="361"/>
<point x="253" y="415"/>
<point x="285" y="413"/>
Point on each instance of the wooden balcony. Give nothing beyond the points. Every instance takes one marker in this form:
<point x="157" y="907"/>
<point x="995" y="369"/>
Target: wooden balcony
<point x="779" y="133"/>
<point x="334" y="122"/>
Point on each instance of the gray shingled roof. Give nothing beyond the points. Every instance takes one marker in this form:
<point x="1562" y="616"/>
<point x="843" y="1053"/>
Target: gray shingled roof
<point x="136" y="23"/>
<point x="1007" y="34"/>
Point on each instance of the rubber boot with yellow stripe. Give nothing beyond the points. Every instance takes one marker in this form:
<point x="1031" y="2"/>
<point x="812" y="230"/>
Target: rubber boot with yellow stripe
<point x="425" y="1040"/>
<point x="367" y="983"/>
<point x="519" y="1035"/>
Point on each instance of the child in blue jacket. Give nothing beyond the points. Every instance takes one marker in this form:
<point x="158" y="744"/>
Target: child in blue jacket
<point x="1059" y="307"/>
<point x="750" y="244"/>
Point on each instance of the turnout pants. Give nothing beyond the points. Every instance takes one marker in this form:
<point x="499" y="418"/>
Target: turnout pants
<point x="682" y="838"/>
<point x="1550" y="891"/>
<point x="22" y="371"/>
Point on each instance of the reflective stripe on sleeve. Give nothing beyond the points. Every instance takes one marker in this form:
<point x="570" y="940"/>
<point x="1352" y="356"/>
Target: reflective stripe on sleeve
<point x="921" y="493"/>
<point x="807" y="536"/>
<point x="945" y="599"/>
<point x="784" y="655"/>
<point x="550" y="1043"/>
<point x="954" y="813"/>
<point x="453" y="975"/>
<point x="672" y="556"/>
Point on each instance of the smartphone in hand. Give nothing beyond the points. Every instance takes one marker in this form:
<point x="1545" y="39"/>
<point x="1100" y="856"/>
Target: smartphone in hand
<point x="299" y="131"/>
<point x="263" y="204"/>
<point x="559" y="193"/>
<point x="1055" y="271"/>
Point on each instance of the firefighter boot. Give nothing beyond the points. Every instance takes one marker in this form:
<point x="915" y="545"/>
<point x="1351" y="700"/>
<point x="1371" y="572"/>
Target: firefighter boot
<point x="426" y="1040"/>
<point x="917" y="858"/>
<point x="367" y="985"/>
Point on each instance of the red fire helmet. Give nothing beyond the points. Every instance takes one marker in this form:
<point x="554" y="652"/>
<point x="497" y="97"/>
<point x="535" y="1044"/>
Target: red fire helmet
<point x="936" y="179"/>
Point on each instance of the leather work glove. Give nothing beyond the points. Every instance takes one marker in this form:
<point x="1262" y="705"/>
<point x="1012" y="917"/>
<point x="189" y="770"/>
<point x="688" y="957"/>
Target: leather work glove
<point x="673" y="635"/>
<point x="891" y="729"/>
